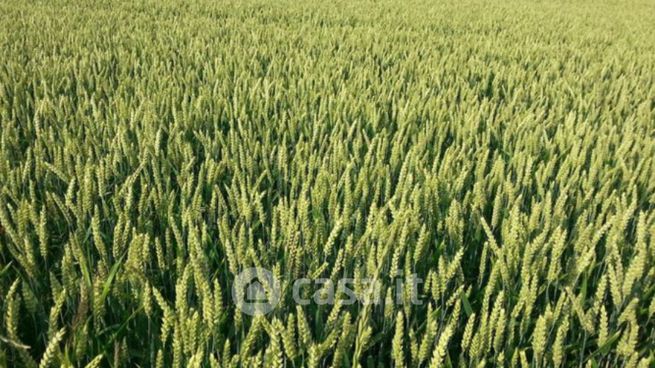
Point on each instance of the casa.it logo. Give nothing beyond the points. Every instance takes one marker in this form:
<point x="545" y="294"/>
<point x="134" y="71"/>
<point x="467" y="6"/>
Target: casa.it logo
<point x="256" y="291"/>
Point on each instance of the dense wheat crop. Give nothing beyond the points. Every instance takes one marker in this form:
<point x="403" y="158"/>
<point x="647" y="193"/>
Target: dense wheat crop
<point x="498" y="155"/>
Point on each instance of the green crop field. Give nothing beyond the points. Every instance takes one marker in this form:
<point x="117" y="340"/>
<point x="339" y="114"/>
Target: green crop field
<point x="336" y="184"/>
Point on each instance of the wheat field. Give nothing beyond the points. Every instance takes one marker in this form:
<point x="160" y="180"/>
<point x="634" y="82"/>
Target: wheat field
<point x="498" y="157"/>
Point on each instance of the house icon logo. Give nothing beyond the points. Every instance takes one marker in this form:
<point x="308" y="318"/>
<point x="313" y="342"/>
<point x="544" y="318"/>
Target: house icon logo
<point x="256" y="291"/>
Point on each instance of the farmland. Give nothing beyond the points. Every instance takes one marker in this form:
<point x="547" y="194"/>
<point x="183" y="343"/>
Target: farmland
<point x="488" y="166"/>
